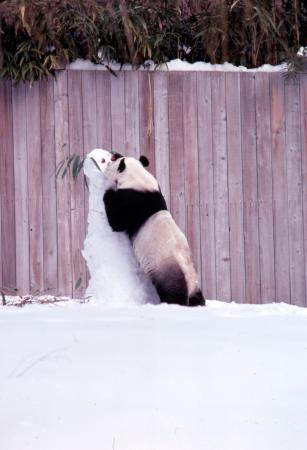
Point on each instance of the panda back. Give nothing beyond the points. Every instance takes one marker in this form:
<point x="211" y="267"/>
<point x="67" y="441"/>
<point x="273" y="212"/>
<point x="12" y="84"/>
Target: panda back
<point x="160" y="245"/>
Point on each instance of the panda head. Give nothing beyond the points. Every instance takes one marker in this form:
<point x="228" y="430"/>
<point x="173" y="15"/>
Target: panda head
<point x="130" y="173"/>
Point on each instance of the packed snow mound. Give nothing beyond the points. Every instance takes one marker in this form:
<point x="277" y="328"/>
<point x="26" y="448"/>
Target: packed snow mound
<point x="115" y="276"/>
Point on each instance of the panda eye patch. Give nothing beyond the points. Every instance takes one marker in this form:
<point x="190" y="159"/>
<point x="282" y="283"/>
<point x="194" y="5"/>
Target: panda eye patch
<point x="113" y="158"/>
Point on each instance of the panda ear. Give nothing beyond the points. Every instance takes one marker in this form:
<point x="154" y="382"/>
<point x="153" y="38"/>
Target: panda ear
<point x="144" y="161"/>
<point x="122" y="166"/>
<point x="115" y="156"/>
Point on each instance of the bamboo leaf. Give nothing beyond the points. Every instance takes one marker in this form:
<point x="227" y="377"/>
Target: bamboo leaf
<point x="75" y="166"/>
<point x="95" y="162"/>
<point x="80" y="167"/>
<point x="59" y="167"/>
<point x="78" y="283"/>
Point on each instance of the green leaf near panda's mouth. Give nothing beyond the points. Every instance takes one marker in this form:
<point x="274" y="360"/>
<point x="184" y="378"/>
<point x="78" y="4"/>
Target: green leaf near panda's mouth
<point x="95" y="162"/>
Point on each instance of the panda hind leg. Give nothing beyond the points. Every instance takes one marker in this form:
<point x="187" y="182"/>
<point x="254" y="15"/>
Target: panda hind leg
<point x="171" y="286"/>
<point x="197" y="299"/>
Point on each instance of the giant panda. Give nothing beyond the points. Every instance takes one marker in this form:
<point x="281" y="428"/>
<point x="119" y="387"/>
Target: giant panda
<point x="136" y="205"/>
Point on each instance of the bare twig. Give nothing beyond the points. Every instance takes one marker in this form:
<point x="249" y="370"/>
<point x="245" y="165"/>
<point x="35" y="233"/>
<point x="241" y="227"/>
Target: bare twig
<point x="3" y="299"/>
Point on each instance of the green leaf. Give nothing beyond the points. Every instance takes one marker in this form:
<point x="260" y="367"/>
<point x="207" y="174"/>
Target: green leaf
<point x="80" y="167"/>
<point x="64" y="172"/>
<point x="59" y="167"/>
<point x="78" y="284"/>
<point x="95" y="162"/>
<point x="75" y="166"/>
<point x="85" y="181"/>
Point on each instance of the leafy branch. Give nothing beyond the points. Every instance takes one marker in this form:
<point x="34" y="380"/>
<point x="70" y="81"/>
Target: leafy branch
<point x="73" y="163"/>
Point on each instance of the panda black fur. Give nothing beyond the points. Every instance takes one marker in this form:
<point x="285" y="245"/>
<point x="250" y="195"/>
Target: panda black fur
<point x="136" y="205"/>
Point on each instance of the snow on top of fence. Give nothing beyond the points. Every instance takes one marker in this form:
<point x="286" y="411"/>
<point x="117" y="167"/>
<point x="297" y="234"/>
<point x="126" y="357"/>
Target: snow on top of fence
<point x="176" y="65"/>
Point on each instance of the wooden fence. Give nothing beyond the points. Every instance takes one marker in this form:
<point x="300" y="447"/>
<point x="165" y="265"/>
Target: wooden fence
<point x="229" y="150"/>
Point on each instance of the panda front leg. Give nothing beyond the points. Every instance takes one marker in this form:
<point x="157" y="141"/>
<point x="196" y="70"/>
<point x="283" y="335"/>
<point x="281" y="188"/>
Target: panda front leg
<point x="115" y="210"/>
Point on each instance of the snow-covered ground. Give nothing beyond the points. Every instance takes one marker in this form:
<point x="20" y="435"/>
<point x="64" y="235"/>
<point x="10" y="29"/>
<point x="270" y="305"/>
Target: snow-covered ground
<point x="90" y="377"/>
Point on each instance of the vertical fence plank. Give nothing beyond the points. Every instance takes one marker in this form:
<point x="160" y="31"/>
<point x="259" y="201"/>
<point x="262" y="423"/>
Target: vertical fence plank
<point x="132" y="134"/>
<point x="219" y="145"/>
<point x="21" y="189"/>
<point x="295" y="205"/>
<point x="250" y="188"/>
<point x="77" y="193"/>
<point x="265" y="195"/>
<point x="280" y="191"/>
<point x="175" y="94"/>
<point x="48" y="187"/>
<point x="161" y="134"/>
<point x="303" y="100"/>
<point x="103" y="107"/>
<point x="235" y="187"/>
<point x="190" y="154"/>
<point x="146" y="111"/>
<point x="63" y="186"/>
<point x="88" y="92"/>
<point x="35" y="190"/>
<point x="206" y="191"/>
<point x="118" y="112"/>
<point x="7" y="188"/>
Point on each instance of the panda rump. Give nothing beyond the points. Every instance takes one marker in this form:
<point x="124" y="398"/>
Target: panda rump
<point x="136" y="205"/>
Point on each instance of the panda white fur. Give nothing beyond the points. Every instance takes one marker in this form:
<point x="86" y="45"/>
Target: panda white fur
<point x="136" y="205"/>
